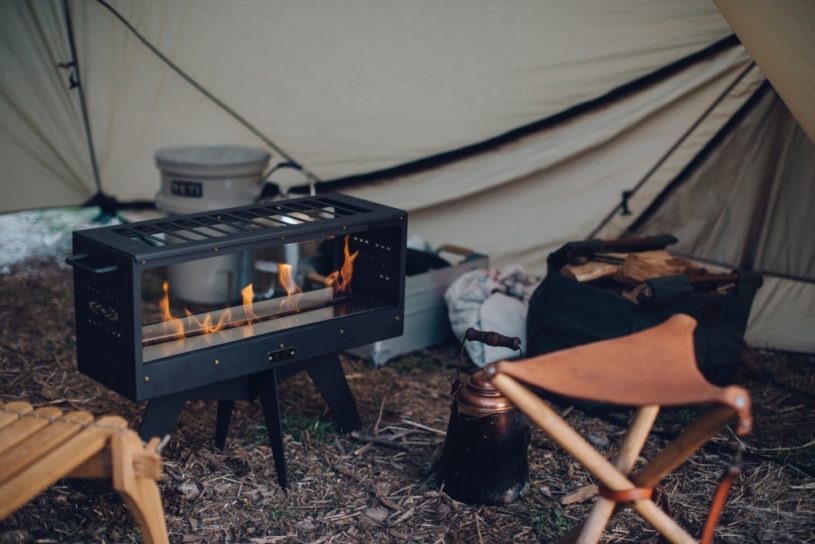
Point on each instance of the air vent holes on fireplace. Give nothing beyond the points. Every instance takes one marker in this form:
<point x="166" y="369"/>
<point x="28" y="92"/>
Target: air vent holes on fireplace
<point x="103" y="311"/>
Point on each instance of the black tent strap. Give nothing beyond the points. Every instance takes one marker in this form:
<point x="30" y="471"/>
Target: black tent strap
<point x="434" y="161"/>
<point x="763" y="272"/>
<point x="200" y="88"/>
<point x="622" y="207"/>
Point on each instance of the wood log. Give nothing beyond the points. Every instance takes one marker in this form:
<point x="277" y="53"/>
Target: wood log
<point x="590" y="271"/>
<point x="645" y="265"/>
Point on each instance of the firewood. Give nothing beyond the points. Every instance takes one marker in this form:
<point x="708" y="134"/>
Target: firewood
<point x="590" y="271"/>
<point x="615" y="258"/>
<point x="581" y="494"/>
<point x="639" y="267"/>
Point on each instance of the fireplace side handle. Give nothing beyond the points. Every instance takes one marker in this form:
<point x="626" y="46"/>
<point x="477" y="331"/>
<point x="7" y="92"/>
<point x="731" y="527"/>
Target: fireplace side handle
<point x="76" y="260"/>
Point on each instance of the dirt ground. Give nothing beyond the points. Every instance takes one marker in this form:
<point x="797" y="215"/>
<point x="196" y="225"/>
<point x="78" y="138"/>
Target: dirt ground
<point x="348" y="490"/>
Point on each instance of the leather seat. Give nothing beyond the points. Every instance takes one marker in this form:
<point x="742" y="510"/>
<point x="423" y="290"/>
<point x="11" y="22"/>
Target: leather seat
<point x="654" y="366"/>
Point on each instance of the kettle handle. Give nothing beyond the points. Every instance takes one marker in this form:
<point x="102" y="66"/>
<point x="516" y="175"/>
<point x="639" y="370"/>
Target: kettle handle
<point x="490" y="338"/>
<point x="493" y="339"/>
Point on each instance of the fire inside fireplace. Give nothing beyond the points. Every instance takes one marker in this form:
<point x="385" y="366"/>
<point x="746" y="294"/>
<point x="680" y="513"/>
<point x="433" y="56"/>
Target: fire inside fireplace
<point x="272" y="296"/>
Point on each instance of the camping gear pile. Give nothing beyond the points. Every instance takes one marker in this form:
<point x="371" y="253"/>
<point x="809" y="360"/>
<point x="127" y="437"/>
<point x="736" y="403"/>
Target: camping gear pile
<point x="491" y="299"/>
<point x="575" y="112"/>
<point x="597" y="290"/>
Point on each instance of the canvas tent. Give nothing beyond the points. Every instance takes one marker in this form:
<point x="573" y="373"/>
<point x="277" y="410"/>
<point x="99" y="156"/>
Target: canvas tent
<point x="511" y="127"/>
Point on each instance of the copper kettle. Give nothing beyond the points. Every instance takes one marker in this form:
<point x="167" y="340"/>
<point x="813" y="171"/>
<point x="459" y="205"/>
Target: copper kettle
<point x="484" y="460"/>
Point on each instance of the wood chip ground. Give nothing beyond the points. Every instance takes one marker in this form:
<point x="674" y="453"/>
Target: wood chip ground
<point x="377" y="486"/>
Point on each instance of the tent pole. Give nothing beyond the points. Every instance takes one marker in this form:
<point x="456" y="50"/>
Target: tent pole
<point x="78" y="84"/>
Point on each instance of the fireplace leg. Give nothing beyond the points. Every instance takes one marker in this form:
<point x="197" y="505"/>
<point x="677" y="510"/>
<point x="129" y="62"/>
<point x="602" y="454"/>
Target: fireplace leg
<point x="271" y="412"/>
<point x="161" y="415"/>
<point x="222" y="423"/>
<point x="326" y="373"/>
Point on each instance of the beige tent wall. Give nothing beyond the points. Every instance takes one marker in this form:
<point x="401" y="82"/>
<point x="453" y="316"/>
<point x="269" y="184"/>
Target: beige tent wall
<point x="750" y="204"/>
<point x="43" y="153"/>
<point x="522" y="200"/>
<point x="665" y="171"/>
<point x="780" y="36"/>
<point x="741" y="206"/>
<point x="783" y="316"/>
<point x="344" y="88"/>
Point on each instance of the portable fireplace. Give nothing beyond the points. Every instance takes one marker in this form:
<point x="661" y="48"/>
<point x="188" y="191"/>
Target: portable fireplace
<point x="285" y="286"/>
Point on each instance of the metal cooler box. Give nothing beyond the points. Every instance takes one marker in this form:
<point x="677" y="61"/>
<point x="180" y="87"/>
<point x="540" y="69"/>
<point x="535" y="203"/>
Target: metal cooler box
<point x="426" y="321"/>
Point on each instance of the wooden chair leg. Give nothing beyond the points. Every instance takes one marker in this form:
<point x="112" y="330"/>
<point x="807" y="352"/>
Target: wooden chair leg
<point x="592" y="528"/>
<point x="139" y="492"/>
<point x="571" y="441"/>
<point x="686" y="444"/>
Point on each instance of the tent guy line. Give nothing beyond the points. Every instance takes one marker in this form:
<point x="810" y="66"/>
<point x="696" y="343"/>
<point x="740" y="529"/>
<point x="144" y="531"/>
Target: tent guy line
<point x="728" y="128"/>
<point x="623" y="206"/>
<point x="313" y="178"/>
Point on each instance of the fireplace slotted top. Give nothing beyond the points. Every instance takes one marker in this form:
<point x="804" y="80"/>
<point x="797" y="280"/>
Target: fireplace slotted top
<point x="177" y="235"/>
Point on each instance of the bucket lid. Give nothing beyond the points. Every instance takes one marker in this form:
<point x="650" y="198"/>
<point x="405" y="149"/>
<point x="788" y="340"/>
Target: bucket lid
<point x="212" y="156"/>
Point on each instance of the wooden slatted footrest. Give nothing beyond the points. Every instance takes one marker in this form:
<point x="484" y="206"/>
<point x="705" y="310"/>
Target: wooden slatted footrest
<point x="40" y="446"/>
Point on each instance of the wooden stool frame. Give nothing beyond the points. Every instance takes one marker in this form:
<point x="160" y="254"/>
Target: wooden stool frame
<point x="615" y="476"/>
<point x="39" y="447"/>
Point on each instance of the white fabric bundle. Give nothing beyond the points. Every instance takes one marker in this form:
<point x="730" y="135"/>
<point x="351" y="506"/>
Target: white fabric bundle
<point x="490" y="300"/>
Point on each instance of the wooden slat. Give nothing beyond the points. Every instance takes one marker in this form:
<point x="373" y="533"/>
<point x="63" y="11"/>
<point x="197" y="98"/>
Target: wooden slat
<point x="686" y="444"/>
<point x="98" y="465"/>
<point x="24" y="485"/>
<point x="19" y="430"/>
<point x="12" y="411"/>
<point x="41" y="443"/>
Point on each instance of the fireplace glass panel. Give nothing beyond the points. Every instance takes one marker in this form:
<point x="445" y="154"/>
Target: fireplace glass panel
<point x="212" y="301"/>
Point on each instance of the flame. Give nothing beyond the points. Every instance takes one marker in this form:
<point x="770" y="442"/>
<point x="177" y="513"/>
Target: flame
<point x="284" y="276"/>
<point x="341" y="279"/>
<point x="171" y="323"/>
<point x="174" y="326"/>
<point x="207" y="325"/>
<point x="248" y="296"/>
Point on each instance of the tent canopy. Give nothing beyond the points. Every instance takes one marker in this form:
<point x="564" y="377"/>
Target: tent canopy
<point x="510" y="127"/>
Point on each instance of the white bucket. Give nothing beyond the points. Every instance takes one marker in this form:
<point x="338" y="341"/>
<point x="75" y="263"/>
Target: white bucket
<point x="206" y="178"/>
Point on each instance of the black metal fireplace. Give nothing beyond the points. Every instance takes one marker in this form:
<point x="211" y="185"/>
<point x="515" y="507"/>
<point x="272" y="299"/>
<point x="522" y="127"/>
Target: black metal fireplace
<point x="225" y="305"/>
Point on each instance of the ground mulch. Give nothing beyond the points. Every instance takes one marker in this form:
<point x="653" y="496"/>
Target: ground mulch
<point x="347" y="489"/>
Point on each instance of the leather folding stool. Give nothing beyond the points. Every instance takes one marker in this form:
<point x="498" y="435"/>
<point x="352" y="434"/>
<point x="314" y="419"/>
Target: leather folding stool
<point x="649" y="369"/>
